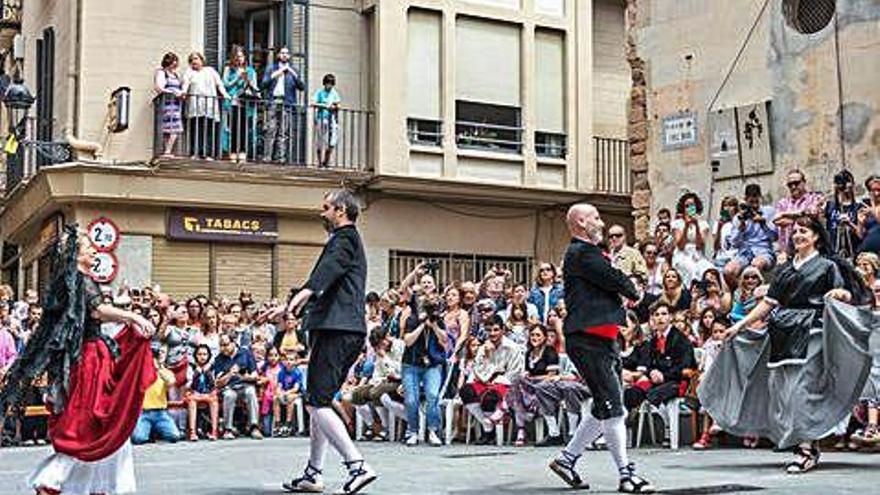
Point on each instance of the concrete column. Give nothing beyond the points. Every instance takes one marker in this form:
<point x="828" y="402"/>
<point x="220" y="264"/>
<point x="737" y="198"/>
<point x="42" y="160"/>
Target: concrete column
<point x="392" y="155"/>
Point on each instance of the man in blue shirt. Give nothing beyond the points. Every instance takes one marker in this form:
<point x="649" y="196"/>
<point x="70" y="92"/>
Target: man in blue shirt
<point x="281" y="81"/>
<point x="752" y="236"/>
<point x="236" y="376"/>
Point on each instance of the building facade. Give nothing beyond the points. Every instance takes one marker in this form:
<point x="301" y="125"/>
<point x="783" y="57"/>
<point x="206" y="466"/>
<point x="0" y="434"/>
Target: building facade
<point x="466" y="128"/>
<point x="730" y="93"/>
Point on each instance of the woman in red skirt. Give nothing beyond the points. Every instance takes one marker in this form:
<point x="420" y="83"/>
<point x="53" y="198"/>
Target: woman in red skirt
<point x="96" y="382"/>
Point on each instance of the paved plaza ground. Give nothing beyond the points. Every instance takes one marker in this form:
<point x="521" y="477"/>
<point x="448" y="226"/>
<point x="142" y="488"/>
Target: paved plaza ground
<point x="251" y="467"/>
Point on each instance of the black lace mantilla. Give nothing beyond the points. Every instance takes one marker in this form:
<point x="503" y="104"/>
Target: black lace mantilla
<point x="56" y="345"/>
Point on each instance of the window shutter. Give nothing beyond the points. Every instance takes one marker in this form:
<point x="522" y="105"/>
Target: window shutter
<point x="213" y="32"/>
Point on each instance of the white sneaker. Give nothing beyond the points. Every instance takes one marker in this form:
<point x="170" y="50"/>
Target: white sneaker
<point x="412" y="440"/>
<point x="360" y="474"/>
<point x="433" y="439"/>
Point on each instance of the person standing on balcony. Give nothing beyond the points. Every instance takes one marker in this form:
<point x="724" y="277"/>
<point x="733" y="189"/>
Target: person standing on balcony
<point x="327" y="102"/>
<point x="281" y="82"/>
<point x="201" y="85"/>
<point x="240" y="81"/>
<point x="169" y="86"/>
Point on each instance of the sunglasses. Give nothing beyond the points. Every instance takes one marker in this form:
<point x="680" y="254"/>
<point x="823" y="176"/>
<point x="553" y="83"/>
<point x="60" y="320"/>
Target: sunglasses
<point x="794" y="183"/>
<point x="615" y="235"/>
<point x="650" y="253"/>
<point x="752" y="277"/>
<point x="546" y="269"/>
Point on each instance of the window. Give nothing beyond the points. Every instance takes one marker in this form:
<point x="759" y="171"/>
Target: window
<point x="488" y="127"/>
<point x="425" y="123"/>
<point x="809" y="16"/>
<point x="458" y="267"/>
<point x="550" y="137"/>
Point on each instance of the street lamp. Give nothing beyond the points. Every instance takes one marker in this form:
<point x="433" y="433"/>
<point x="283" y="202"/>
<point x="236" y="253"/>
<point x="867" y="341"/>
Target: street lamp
<point x="18" y="100"/>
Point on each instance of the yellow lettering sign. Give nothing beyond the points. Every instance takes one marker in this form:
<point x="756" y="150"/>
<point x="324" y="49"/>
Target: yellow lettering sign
<point x="191" y="224"/>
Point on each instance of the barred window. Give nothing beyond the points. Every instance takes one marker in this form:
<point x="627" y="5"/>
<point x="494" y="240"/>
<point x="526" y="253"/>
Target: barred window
<point x="454" y="267"/>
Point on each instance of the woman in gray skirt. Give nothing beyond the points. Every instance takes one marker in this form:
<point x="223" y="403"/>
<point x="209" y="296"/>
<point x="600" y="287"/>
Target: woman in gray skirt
<point x="797" y="380"/>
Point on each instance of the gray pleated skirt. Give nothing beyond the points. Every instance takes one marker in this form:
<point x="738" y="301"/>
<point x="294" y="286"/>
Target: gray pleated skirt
<point x="796" y="400"/>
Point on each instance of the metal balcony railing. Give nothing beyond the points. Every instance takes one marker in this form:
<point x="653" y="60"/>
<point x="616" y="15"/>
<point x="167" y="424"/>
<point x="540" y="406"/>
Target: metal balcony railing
<point x="30" y="154"/>
<point x="612" y="165"/>
<point x="262" y="131"/>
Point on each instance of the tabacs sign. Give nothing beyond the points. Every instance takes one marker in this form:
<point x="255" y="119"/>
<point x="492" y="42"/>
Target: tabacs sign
<point x="222" y="226"/>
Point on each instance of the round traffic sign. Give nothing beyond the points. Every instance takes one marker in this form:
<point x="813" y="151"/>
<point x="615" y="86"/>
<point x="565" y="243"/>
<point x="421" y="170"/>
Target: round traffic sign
<point x="104" y="234"/>
<point x="105" y="267"/>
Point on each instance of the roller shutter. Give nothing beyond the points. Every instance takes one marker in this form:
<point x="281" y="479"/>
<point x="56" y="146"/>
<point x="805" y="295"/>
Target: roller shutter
<point x="295" y="262"/>
<point x="240" y="267"/>
<point x="181" y="268"/>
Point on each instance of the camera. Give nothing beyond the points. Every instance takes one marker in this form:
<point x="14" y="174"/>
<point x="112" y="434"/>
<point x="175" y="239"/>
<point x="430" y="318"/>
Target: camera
<point x="746" y="211"/>
<point x="429" y="306"/>
<point x="432" y="265"/>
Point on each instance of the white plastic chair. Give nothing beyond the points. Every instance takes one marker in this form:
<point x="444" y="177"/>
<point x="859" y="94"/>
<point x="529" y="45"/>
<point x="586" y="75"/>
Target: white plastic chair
<point x="669" y="412"/>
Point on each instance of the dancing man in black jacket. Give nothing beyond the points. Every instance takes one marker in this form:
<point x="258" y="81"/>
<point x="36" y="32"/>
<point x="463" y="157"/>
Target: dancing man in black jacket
<point x="337" y="332"/>
<point x="593" y="290"/>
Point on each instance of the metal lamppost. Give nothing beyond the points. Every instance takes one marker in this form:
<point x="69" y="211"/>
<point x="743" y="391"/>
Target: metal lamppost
<point x="18" y="100"/>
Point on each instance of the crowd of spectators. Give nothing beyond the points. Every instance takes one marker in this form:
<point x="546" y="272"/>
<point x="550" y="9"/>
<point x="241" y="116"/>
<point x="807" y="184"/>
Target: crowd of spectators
<point x="483" y="353"/>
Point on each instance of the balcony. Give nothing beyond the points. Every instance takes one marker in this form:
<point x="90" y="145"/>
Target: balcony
<point x="261" y="131"/>
<point x="612" y="166"/>
<point x="31" y="154"/>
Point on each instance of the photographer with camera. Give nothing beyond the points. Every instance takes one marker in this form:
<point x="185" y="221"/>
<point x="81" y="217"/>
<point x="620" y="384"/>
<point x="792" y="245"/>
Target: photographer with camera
<point x="752" y="236"/>
<point x="424" y="334"/>
<point x="841" y="216"/>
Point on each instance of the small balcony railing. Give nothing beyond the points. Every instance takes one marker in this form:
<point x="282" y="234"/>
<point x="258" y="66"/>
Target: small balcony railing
<point x="27" y="154"/>
<point x="261" y="131"/>
<point x="612" y="165"/>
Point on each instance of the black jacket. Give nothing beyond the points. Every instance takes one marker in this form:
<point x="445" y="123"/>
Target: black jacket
<point x="593" y="288"/>
<point x="677" y="356"/>
<point x="338" y="280"/>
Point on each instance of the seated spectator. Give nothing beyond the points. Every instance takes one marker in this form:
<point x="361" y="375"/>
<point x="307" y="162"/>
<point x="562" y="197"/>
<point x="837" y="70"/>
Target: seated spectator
<point x="498" y="362"/>
<point x="723" y="231"/>
<point x="268" y="381"/>
<point x="389" y="312"/>
<point x="655" y="266"/>
<point x="671" y="354"/>
<point x="710" y="292"/>
<point x="546" y="291"/>
<point x="744" y="299"/>
<point x="635" y="354"/>
<point x="517" y="324"/>
<point x="702" y="330"/>
<point x="665" y="241"/>
<point x="425" y="338"/>
<point x="555" y="326"/>
<point x="541" y="363"/>
<point x="287" y="340"/>
<point x="565" y="388"/>
<point x="154" y="418"/>
<point x="288" y="388"/>
<point x="788" y="209"/>
<point x="201" y="391"/>
<point x="209" y="331"/>
<point x="492" y="287"/>
<point x="236" y="377"/>
<point x="869" y="217"/>
<point x="711" y="348"/>
<point x="752" y="235"/>
<point x="386" y="377"/>
<point x="485" y="314"/>
<point x="674" y="293"/>
<point x="691" y="235"/>
<point x="623" y="256"/>
<point x="868" y="265"/>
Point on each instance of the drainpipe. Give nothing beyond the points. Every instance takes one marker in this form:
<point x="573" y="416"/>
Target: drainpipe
<point x="76" y="65"/>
